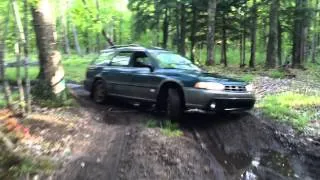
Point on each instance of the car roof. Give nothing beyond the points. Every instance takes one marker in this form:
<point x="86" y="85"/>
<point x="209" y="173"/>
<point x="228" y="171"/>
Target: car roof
<point x="132" y="48"/>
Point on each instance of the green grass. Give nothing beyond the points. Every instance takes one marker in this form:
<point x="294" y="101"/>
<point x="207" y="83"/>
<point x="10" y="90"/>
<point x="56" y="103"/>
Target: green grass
<point x="74" y="67"/>
<point x="277" y="74"/>
<point x="171" y="129"/>
<point x="294" y="108"/>
<point x="247" y="77"/>
<point x="168" y="128"/>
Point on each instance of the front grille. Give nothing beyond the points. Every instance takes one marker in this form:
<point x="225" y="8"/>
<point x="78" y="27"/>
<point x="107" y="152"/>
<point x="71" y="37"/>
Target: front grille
<point x="235" y="88"/>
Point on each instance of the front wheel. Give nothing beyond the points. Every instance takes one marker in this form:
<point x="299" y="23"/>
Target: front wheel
<point x="174" y="105"/>
<point x="99" y="92"/>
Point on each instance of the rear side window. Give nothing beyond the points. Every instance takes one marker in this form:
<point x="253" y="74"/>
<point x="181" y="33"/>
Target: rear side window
<point x="104" y="59"/>
<point x="122" y="59"/>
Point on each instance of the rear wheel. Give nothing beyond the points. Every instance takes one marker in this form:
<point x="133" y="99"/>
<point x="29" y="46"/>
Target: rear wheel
<point x="174" y="105"/>
<point x="99" y="92"/>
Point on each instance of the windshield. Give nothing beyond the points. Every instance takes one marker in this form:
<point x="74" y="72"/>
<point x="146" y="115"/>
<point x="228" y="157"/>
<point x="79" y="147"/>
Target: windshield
<point x="168" y="60"/>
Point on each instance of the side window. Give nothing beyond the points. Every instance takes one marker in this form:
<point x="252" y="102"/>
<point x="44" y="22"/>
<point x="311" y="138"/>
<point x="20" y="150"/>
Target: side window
<point x="104" y="59"/>
<point x="140" y="59"/>
<point x="122" y="59"/>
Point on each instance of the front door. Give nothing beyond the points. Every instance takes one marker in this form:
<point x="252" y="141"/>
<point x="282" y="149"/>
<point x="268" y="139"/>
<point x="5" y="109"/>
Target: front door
<point x="144" y="86"/>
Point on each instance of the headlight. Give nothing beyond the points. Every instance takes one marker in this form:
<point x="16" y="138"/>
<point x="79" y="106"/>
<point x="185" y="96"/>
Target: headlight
<point x="250" y="88"/>
<point x="210" y="86"/>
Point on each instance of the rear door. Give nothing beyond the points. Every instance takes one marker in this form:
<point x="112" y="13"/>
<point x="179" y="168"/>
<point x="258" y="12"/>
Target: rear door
<point x="119" y="74"/>
<point x="98" y="66"/>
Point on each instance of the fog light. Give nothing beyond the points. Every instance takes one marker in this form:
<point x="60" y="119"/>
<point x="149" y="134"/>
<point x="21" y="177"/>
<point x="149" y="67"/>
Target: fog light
<point x="213" y="106"/>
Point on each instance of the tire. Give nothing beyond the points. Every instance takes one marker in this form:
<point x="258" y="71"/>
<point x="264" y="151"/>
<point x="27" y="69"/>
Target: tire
<point x="174" y="105"/>
<point x="99" y="92"/>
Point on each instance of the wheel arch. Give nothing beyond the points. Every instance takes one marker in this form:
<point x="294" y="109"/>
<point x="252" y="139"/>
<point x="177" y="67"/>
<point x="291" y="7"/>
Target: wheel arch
<point x="163" y="93"/>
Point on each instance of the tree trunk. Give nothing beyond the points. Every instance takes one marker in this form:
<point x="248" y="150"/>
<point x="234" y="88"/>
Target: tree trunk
<point x="157" y="17"/>
<point x="272" y="51"/>
<point x="51" y="71"/>
<point x="21" y="41"/>
<point x="253" y="35"/>
<point x="98" y="35"/>
<point x="178" y="31"/>
<point x="265" y="33"/>
<point x="120" y="30"/>
<point x="87" y="41"/>
<point x="182" y="29"/>
<point x="193" y="31"/>
<point x="165" y="29"/>
<point x="241" y="51"/>
<point x="224" y="42"/>
<point x="66" y="40"/>
<point x="212" y="6"/>
<point x="299" y="35"/>
<point x="26" y="58"/>
<point x="315" y="35"/>
<point x="76" y="41"/>
<point x="279" y="43"/>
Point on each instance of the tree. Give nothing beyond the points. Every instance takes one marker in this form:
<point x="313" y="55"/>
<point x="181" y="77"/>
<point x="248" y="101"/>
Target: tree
<point x="299" y="34"/>
<point x="21" y="42"/>
<point x="315" y="35"/>
<point x="272" y="51"/>
<point x="253" y="29"/>
<point x="26" y="57"/>
<point x="212" y="5"/>
<point x="51" y="74"/>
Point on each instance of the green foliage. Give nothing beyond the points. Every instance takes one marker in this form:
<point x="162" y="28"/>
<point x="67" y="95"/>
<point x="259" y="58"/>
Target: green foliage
<point x="297" y="109"/>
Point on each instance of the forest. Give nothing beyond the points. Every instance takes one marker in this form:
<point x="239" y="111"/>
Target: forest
<point x="46" y="47"/>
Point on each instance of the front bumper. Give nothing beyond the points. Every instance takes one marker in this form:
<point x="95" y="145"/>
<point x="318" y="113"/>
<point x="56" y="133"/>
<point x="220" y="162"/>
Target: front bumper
<point x="222" y="100"/>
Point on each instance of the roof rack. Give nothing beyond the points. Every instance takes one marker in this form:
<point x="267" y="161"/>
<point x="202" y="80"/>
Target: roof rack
<point x="157" y="48"/>
<point x="121" y="46"/>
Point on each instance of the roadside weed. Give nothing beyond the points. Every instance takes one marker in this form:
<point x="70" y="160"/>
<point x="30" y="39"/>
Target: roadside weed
<point x="152" y="123"/>
<point x="171" y="129"/>
<point x="167" y="127"/>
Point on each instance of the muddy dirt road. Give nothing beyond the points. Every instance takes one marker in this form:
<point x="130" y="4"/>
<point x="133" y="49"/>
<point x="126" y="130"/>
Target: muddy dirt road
<point x="115" y="143"/>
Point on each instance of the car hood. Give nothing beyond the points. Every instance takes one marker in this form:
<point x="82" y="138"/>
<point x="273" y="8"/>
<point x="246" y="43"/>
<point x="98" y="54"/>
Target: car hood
<point x="197" y="76"/>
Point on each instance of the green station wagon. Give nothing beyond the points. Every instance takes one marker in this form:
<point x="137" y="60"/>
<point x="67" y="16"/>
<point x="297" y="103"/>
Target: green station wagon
<point x="165" y="79"/>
